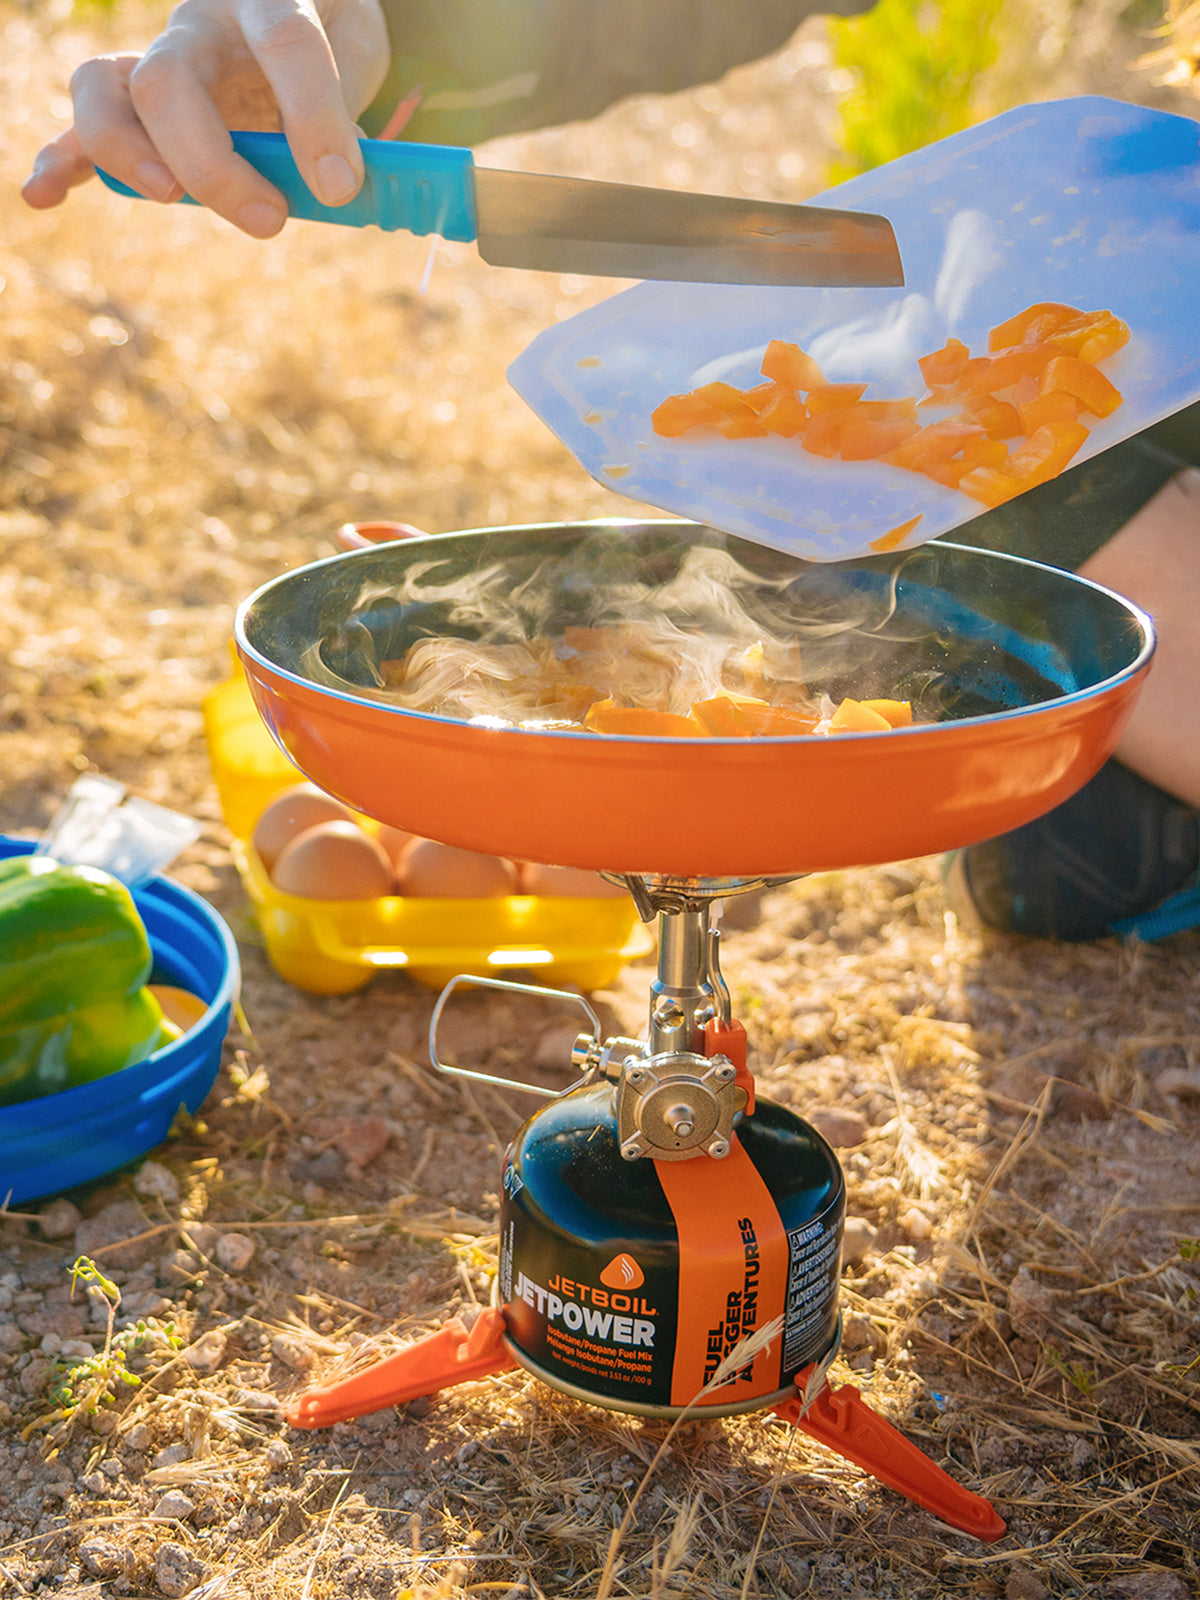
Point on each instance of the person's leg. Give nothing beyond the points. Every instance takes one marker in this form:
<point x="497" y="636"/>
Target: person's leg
<point x="1155" y="561"/>
<point x="1130" y="839"/>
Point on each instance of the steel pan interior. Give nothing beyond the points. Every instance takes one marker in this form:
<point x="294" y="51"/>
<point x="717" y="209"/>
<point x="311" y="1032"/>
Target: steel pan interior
<point x="1031" y="672"/>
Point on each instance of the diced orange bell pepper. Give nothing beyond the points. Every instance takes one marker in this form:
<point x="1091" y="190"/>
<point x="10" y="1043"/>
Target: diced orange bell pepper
<point x="936" y="441"/>
<point x="722" y="714"/>
<point x="991" y="486"/>
<point x="889" y="410"/>
<point x="975" y="452"/>
<point x="761" y="396"/>
<point x="782" y="722"/>
<point x="855" y="716"/>
<point x="896" y="713"/>
<point x="1002" y="371"/>
<point x="1037" y="321"/>
<point x="680" y="413"/>
<point x="999" y="419"/>
<point x="605" y="716"/>
<point x="737" y="420"/>
<point x="833" y="396"/>
<point x="785" y="415"/>
<point x="1055" y="406"/>
<point x="822" y="434"/>
<point x="1047" y="451"/>
<point x="1104" y="338"/>
<point x="867" y="438"/>
<point x="787" y="364"/>
<point x="1086" y="382"/>
<point x="745" y="426"/>
<point x="895" y="536"/>
<point x="942" y="368"/>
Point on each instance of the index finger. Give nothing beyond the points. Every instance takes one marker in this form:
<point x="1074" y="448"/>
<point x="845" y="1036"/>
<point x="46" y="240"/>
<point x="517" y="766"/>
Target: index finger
<point x="293" y="51"/>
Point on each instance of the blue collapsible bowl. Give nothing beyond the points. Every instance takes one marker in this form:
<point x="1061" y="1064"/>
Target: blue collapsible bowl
<point x="66" y="1139"/>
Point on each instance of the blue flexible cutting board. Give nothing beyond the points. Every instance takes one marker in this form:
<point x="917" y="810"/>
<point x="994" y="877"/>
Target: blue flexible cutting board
<point x="1089" y="201"/>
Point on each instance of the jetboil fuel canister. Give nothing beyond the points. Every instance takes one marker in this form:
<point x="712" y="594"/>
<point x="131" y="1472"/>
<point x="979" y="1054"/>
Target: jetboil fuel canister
<point x="629" y="1283"/>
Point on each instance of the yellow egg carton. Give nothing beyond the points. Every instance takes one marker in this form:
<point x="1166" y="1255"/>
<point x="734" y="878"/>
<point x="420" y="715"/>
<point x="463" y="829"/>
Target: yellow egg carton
<point x="337" y="946"/>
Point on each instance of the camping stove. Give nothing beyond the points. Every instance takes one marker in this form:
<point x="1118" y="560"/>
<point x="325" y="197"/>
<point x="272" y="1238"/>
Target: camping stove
<point x="670" y="1243"/>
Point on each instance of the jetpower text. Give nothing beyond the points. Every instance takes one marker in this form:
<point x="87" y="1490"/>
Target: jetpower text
<point x="596" y="1313"/>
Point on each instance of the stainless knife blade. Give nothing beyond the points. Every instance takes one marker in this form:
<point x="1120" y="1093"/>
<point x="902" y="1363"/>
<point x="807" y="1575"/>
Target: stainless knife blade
<point x="582" y="225"/>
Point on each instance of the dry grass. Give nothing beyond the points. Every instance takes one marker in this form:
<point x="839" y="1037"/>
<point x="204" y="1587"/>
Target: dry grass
<point x="183" y="413"/>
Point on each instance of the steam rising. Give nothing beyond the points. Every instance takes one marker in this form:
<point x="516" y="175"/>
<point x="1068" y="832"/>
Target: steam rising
<point x="534" y="643"/>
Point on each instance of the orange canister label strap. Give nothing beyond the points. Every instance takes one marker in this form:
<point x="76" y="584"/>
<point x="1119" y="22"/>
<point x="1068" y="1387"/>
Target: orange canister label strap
<point x="733" y="1268"/>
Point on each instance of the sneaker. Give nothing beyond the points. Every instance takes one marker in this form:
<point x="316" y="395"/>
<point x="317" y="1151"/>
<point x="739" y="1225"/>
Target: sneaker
<point x="1120" y="856"/>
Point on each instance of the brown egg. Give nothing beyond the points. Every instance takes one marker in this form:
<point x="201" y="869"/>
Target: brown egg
<point x="573" y="883"/>
<point x="334" y="861"/>
<point x="291" y="813"/>
<point x="434" y="871"/>
<point x="395" y="841"/>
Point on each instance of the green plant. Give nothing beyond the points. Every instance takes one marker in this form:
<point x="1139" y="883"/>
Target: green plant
<point x="85" y="1385"/>
<point x="916" y="64"/>
<point x="1077" y="1376"/>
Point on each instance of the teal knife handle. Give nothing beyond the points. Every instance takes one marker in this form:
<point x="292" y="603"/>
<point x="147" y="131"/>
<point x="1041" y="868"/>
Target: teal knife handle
<point x="420" y="188"/>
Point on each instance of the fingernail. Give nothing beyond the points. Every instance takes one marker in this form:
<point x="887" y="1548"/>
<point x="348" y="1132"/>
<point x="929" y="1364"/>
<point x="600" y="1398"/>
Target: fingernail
<point x="336" y="181"/>
<point x="154" y="180"/>
<point x="261" y="220"/>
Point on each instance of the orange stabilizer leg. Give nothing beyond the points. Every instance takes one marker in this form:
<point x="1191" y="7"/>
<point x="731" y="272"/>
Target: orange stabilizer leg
<point x="839" y="1419"/>
<point x="438" y="1361"/>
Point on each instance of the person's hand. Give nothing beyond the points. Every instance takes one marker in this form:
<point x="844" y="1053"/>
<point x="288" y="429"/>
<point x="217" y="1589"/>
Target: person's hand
<point x="160" y="122"/>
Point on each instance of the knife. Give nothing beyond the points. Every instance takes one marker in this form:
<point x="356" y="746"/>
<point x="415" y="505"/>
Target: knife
<point x="552" y="224"/>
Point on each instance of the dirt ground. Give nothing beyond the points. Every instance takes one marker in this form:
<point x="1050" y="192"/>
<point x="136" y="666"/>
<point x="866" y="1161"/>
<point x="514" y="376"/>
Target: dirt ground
<point x="182" y="415"/>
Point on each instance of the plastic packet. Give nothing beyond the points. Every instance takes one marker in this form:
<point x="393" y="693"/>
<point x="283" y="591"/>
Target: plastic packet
<point x="97" y="825"/>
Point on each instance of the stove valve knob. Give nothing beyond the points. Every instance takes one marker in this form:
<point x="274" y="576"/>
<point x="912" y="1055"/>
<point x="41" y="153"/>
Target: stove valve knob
<point x="677" y="1105"/>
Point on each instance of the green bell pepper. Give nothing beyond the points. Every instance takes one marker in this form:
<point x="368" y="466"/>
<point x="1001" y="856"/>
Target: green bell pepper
<point x="74" y="964"/>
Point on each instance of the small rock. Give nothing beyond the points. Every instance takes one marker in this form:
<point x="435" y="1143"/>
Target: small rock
<point x="278" y="1454"/>
<point x="121" y="1235"/>
<point x="235" y="1251"/>
<point x="842" y="1129"/>
<point x="175" y="1570"/>
<point x="1158" y="1585"/>
<point x="1022" y="1584"/>
<point x="255" y="1400"/>
<point x="293" y="1352"/>
<point x="137" y="1307"/>
<point x="59" y="1219"/>
<point x="153" y="1179"/>
<point x="170" y="1456"/>
<point x="36" y="1376"/>
<point x="916" y="1224"/>
<point x="860" y="1333"/>
<point x="103" y="1558"/>
<point x="206" y="1353"/>
<point x="174" y="1505"/>
<point x="858" y="1239"/>
<point x="11" y="1338"/>
<point x="1179" y="1082"/>
<point x="140" y="1436"/>
<point x="204" y="1236"/>
<point x="359" y="1140"/>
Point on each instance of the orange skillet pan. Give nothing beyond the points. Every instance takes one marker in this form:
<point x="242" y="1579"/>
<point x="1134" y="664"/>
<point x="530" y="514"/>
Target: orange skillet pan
<point x="1022" y="678"/>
